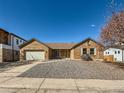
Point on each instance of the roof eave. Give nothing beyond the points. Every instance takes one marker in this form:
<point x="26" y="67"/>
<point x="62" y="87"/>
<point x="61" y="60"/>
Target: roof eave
<point x="85" y="41"/>
<point x="23" y="45"/>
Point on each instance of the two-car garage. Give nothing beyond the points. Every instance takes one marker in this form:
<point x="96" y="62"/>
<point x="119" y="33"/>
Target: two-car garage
<point x="34" y="50"/>
<point x="35" y="55"/>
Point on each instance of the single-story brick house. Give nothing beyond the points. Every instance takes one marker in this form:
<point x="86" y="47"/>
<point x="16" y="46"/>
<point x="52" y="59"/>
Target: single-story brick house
<point x="36" y="50"/>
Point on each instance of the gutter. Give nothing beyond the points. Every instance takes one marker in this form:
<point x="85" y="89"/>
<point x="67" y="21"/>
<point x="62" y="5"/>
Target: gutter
<point x="122" y="55"/>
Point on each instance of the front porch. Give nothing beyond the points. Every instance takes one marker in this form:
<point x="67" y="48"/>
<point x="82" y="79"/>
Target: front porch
<point x="60" y="53"/>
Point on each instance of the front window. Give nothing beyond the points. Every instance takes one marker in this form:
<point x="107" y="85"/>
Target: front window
<point x="20" y="41"/>
<point x="118" y="52"/>
<point x="17" y="41"/>
<point x="84" y="50"/>
<point x="92" y="51"/>
<point x="108" y="52"/>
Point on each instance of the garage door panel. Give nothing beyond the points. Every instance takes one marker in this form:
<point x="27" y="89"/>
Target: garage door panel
<point x="35" y="55"/>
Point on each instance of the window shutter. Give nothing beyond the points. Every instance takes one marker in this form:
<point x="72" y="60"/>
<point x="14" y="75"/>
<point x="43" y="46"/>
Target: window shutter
<point x="81" y="51"/>
<point x="94" y="51"/>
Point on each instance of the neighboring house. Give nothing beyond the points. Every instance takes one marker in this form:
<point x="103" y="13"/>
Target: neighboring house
<point x="9" y="46"/>
<point x="114" y="54"/>
<point x="36" y="50"/>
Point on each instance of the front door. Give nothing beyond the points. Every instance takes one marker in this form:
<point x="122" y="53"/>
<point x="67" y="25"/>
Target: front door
<point x="55" y="53"/>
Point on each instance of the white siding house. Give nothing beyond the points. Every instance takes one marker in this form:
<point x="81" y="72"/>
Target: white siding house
<point x="16" y="40"/>
<point x="117" y="53"/>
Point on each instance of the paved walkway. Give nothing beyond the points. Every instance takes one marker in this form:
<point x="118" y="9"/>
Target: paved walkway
<point x="9" y="83"/>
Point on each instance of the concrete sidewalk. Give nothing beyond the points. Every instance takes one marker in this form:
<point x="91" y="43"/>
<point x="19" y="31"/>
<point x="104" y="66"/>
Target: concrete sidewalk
<point x="42" y="85"/>
<point x="10" y="83"/>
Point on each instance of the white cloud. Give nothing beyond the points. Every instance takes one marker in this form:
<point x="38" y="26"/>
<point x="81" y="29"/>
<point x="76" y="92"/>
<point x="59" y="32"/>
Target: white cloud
<point x="93" y="25"/>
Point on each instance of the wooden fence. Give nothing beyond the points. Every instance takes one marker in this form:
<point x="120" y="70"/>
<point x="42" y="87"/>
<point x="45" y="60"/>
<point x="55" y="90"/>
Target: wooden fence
<point x="109" y="58"/>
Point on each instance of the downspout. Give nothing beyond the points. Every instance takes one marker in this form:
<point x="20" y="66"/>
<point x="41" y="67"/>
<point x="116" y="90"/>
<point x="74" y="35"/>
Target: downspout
<point x="122" y="56"/>
<point x="1" y="53"/>
<point x="12" y="48"/>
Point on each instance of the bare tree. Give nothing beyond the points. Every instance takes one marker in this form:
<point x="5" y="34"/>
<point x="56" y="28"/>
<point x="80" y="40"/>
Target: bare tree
<point x="113" y="32"/>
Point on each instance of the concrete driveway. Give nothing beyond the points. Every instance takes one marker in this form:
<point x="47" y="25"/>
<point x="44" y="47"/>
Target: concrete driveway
<point x="10" y="82"/>
<point x="69" y="69"/>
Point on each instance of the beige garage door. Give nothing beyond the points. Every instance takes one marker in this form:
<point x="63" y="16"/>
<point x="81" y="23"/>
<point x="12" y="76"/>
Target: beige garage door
<point x="35" y="55"/>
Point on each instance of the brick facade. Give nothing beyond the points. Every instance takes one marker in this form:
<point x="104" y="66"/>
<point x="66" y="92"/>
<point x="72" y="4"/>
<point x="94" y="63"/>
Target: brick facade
<point x="7" y="55"/>
<point x="73" y="53"/>
<point x="88" y="45"/>
<point x="4" y="37"/>
<point x="10" y="55"/>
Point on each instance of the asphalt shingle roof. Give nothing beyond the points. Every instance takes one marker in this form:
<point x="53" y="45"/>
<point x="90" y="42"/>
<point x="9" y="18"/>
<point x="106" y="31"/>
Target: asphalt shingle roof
<point x="60" y="45"/>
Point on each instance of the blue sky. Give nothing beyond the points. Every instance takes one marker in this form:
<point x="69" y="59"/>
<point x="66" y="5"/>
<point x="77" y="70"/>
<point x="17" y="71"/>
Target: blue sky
<point x="54" y="20"/>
